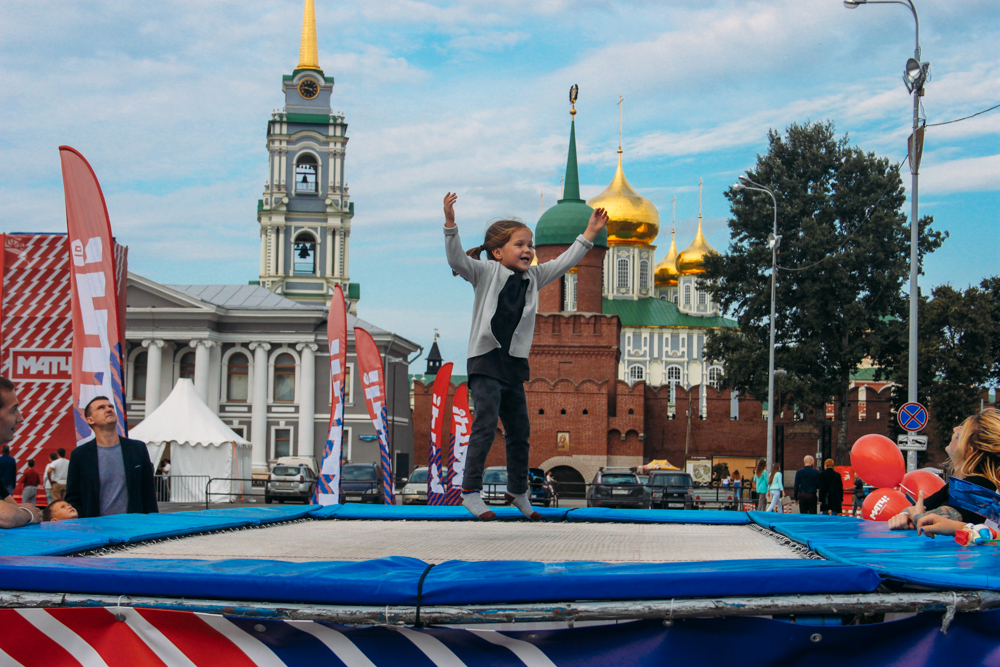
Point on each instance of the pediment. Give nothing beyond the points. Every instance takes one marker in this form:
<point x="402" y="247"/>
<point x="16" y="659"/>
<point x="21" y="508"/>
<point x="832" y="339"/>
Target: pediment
<point x="144" y="293"/>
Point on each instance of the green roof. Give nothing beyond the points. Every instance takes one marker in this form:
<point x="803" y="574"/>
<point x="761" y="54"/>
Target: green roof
<point x="651" y="312"/>
<point x="308" y="118"/>
<point x="354" y="291"/>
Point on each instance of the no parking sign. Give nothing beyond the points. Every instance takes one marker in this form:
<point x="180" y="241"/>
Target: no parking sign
<point x="912" y="417"/>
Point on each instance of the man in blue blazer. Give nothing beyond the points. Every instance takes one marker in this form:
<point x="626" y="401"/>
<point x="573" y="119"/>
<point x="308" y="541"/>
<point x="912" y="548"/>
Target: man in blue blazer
<point x="109" y="475"/>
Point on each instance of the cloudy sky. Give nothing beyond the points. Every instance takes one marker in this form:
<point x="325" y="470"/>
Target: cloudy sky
<point x="169" y="102"/>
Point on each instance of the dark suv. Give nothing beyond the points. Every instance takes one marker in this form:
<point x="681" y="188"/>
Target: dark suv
<point x="361" y="483"/>
<point x="617" y="487"/>
<point x="671" y="490"/>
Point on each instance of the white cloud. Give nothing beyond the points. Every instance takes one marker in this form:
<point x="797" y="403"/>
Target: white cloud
<point x="976" y="174"/>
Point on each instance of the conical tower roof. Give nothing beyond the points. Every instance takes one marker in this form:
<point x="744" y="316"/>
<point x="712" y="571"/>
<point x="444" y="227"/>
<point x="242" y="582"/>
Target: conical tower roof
<point x="561" y="224"/>
<point x="309" y="48"/>
<point x="692" y="259"/>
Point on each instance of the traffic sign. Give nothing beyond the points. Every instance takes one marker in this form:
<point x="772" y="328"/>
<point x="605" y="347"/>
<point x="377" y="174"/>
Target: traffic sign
<point x="912" y="443"/>
<point x="912" y="417"/>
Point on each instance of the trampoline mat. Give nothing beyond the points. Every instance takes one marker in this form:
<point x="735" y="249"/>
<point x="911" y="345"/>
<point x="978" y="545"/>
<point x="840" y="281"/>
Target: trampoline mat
<point x="437" y="542"/>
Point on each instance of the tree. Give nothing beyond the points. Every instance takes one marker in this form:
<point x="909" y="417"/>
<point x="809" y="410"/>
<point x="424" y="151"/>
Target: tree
<point x="958" y="343"/>
<point x="843" y="261"/>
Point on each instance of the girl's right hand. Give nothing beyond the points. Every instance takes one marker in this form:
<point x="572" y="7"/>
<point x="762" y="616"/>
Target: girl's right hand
<point x="449" y="209"/>
<point x="903" y="520"/>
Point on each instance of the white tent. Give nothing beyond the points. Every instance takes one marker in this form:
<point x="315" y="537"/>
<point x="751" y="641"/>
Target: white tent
<point x="202" y="447"/>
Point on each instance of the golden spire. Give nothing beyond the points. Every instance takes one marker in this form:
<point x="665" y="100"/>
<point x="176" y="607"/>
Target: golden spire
<point x="631" y="217"/>
<point x="666" y="270"/>
<point x="309" y="51"/>
<point x="692" y="259"/>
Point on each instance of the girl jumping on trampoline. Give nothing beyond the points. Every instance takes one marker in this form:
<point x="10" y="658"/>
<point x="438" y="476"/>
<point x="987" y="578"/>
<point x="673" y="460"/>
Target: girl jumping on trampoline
<point x="503" y="324"/>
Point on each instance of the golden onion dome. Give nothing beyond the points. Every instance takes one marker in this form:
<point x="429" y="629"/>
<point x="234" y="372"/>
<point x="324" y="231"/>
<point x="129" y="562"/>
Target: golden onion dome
<point x="666" y="270"/>
<point x="631" y="217"/>
<point x="692" y="259"/>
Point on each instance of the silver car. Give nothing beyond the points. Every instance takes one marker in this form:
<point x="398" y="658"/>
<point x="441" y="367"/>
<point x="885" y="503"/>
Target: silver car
<point x="494" y="485"/>
<point x="290" y="483"/>
<point x="415" y="491"/>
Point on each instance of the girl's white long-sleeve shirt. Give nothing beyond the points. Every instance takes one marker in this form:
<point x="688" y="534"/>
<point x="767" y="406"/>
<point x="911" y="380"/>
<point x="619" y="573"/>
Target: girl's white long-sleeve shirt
<point x="489" y="277"/>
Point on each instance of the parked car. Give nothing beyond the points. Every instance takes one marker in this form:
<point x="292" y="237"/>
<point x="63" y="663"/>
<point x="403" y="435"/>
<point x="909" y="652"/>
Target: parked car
<point x="494" y="485"/>
<point x="617" y="487"/>
<point x="290" y="483"/>
<point x="361" y="483"/>
<point x="714" y="497"/>
<point x="671" y="490"/>
<point x="299" y="461"/>
<point x="415" y="489"/>
<point x="541" y="494"/>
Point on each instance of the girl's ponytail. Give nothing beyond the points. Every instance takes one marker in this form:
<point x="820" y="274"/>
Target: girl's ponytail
<point x="497" y="236"/>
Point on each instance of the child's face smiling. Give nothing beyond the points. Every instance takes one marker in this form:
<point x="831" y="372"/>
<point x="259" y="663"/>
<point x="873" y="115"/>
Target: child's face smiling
<point x="518" y="252"/>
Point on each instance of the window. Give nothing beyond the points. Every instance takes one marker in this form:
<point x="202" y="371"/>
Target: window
<point x="139" y="377"/>
<point x="623" y="273"/>
<point x="239" y="430"/>
<point x="305" y="175"/>
<point x="643" y="274"/>
<point x="187" y="365"/>
<point x="282" y="442"/>
<point x="675" y="297"/>
<point x="348" y="388"/>
<point x="238" y="377"/>
<point x="284" y="377"/>
<point x="569" y="292"/>
<point x="702" y="298"/>
<point x="714" y="373"/>
<point x="673" y="379"/>
<point x="541" y="411"/>
<point x="687" y="295"/>
<point x="585" y="411"/>
<point x="631" y="411"/>
<point x="304" y="260"/>
<point x="636" y="373"/>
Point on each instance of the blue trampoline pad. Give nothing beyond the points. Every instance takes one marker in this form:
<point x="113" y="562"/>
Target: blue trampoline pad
<point x="255" y="515"/>
<point x="395" y="580"/>
<point x="610" y="515"/>
<point x="426" y="513"/>
<point x="509" y="582"/>
<point x="139" y="527"/>
<point x="374" y="582"/>
<point x="33" y="541"/>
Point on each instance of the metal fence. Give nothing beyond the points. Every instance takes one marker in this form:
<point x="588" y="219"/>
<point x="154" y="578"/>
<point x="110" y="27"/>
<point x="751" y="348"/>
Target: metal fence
<point x="232" y="490"/>
<point x="180" y="488"/>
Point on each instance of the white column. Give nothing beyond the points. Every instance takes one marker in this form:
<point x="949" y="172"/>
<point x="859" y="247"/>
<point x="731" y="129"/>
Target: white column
<point x="329" y="252"/>
<point x="201" y="367"/>
<point x="347" y="254"/>
<point x="307" y="397"/>
<point x="214" y="377"/>
<point x="154" y="364"/>
<point x="258" y="415"/>
<point x="281" y="250"/>
<point x="263" y="251"/>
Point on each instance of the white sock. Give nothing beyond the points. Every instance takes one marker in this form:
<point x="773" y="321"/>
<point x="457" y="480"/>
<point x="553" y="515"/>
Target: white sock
<point x="521" y="502"/>
<point x="474" y="503"/>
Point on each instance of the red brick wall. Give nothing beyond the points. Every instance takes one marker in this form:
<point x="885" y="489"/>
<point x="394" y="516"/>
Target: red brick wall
<point x="589" y="282"/>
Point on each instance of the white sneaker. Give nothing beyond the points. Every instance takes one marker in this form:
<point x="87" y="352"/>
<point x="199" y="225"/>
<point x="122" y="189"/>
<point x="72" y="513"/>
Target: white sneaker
<point x="521" y="502"/>
<point x="474" y="503"/>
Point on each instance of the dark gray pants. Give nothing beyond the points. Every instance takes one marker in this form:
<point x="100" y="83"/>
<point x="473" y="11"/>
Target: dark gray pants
<point x="497" y="400"/>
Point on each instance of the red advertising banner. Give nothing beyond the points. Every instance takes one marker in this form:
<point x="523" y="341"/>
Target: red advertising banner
<point x="328" y="486"/>
<point x="36" y="341"/>
<point x="439" y="397"/>
<point x="373" y="386"/>
<point x="97" y="340"/>
<point x="461" y="428"/>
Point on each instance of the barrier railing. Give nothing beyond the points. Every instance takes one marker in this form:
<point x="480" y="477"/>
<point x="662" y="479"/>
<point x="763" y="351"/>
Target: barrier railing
<point x="238" y="489"/>
<point x="179" y="488"/>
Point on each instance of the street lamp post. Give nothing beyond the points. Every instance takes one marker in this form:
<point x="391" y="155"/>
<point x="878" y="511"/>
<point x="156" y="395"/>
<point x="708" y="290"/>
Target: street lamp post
<point x="772" y="240"/>
<point x="915" y="75"/>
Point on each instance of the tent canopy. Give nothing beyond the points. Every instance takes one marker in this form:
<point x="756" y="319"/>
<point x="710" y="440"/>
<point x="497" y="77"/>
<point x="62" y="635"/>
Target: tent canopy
<point x="185" y="419"/>
<point x="660" y="464"/>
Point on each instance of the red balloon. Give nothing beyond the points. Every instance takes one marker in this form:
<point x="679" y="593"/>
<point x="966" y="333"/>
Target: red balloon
<point x="920" y="480"/>
<point x="878" y="461"/>
<point x="883" y="504"/>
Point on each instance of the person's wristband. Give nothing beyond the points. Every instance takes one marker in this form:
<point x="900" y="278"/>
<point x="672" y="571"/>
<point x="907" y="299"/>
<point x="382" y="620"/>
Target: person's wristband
<point x="31" y="517"/>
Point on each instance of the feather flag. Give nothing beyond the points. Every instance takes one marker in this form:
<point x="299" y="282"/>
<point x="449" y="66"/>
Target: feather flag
<point x="461" y="428"/>
<point x="97" y="338"/>
<point x="439" y="397"/>
<point x="373" y="386"/>
<point x="328" y="486"/>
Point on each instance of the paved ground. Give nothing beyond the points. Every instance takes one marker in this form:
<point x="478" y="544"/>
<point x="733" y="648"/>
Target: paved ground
<point x="438" y="541"/>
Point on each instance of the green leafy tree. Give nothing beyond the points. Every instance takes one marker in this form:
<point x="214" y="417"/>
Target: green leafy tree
<point x="843" y="261"/>
<point x="958" y="343"/>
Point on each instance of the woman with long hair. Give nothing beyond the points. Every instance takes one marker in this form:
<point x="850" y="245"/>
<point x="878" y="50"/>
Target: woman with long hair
<point x="775" y="487"/>
<point x="760" y="484"/>
<point x="973" y="455"/>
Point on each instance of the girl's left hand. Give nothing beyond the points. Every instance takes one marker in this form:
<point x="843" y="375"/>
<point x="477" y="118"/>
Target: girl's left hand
<point x="598" y="220"/>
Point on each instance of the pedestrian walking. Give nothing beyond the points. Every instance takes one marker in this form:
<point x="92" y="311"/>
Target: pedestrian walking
<point x="58" y="474"/>
<point x="48" y="479"/>
<point x="29" y="482"/>
<point x="774" y="487"/>
<point x="832" y="495"/>
<point x="806" y="483"/>
<point x="760" y="482"/>
<point x="8" y="468"/>
<point x="859" y="497"/>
